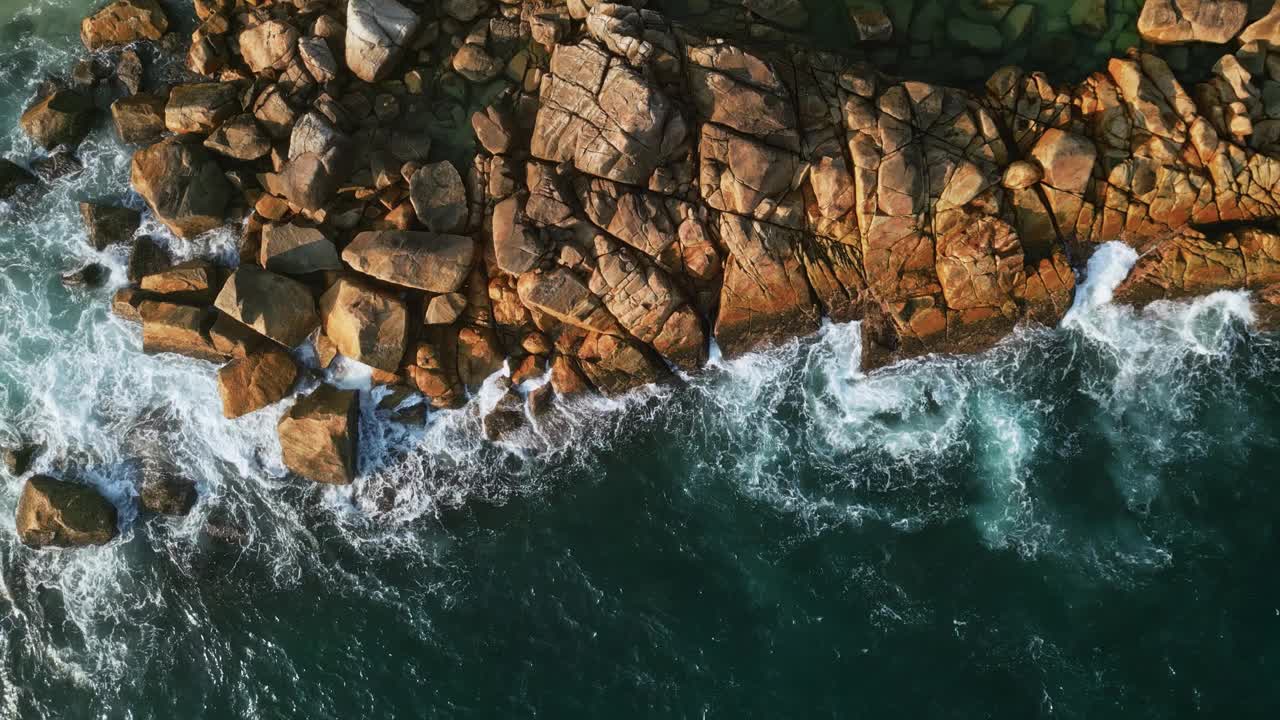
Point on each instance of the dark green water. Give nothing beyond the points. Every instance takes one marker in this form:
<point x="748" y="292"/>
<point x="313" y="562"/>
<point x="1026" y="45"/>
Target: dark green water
<point x="1076" y="524"/>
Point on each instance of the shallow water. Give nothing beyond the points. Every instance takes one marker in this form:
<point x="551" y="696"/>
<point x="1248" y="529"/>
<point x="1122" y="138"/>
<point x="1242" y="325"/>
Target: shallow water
<point x="1077" y="523"/>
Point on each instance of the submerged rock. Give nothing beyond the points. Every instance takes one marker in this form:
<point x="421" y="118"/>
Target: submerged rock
<point x="319" y="435"/>
<point x="57" y="513"/>
<point x="17" y="460"/>
<point x="92" y="275"/>
<point x="13" y="177"/>
<point x="164" y="491"/>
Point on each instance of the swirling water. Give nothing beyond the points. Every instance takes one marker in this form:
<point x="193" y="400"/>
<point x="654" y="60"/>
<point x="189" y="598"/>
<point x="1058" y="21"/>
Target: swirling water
<point x="1077" y="523"/>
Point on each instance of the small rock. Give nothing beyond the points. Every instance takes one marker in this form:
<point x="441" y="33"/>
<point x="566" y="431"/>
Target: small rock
<point x="56" y="513"/>
<point x="439" y="197"/>
<point x="540" y="399"/>
<point x="239" y="138"/>
<point x="163" y="491"/>
<point x="445" y="309"/>
<point x="92" y="275"/>
<point x="17" y="461"/>
<point x="1021" y="175"/>
<point x="318" y="59"/>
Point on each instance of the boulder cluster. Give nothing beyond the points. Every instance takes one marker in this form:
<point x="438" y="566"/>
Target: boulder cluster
<point x="591" y="193"/>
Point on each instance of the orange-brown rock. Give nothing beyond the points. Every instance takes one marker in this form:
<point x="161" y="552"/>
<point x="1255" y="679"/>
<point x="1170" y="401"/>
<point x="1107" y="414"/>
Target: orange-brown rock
<point x="255" y="381"/>
<point x="57" y="513"/>
<point x="319" y="435"/>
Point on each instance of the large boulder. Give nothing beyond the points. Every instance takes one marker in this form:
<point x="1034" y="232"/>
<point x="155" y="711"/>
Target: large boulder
<point x="255" y="381"/>
<point x="194" y="282"/>
<point x="1174" y="22"/>
<point x="276" y="306"/>
<point x="56" y="513"/>
<point x="560" y="293"/>
<point x="439" y="197"/>
<point x="63" y="117"/>
<point x="108" y="225"/>
<point x="428" y="261"/>
<point x="319" y="435"/>
<point x="183" y="185"/>
<point x="179" y="329"/>
<point x="366" y="324"/>
<point x="200" y="107"/>
<point x="123" y="22"/>
<point x="139" y="119"/>
<point x="297" y="250"/>
<point x="378" y="31"/>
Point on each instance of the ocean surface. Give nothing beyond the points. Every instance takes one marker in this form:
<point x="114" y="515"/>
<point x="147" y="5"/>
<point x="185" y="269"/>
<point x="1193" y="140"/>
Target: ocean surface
<point x="1079" y="523"/>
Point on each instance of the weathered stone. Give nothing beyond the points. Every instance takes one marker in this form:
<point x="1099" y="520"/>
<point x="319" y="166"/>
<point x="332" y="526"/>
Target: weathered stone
<point x="439" y="198"/>
<point x="765" y="297"/>
<point x="146" y="258"/>
<point x="62" y="118"/>
<point x="123" y="22"/>
<point x="182" y="184"/>
<point x="493" y="128"/>
<point x="319" y="435"/>
<point x="108" y="225"/>
<point x="428" y="261"/>
<point x="268" y="45"/>
<point x="377" y="33"/>
<point x="57" y="513"/>
<point x="239" y="138"/>
<point x="1021" y="175"/>
<point x="277" y="307"/>
<point x="516" y="246"/>
<point x="163" y="491"/>
<point x="1173" y="22"/>
<point x="193" y="282"/>
<point x="139" y="119"/>
<point x="366" y="324"/>
<point x="561" y="294"/>
<point x="297" y="250"/>
<point x="92" y="275"/>
<point x="200" y="107"/>
<point x="17" y="460"/>
<point x="179" y="329"/>
<point x="60" y="163"/>
<point x="255" y="381"/>
<point x="318" y="59"/>
<point x="1066" y="158"/>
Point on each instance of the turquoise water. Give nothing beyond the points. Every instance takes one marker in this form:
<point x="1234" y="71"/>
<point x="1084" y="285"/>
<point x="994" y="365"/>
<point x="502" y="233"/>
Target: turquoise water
<point x="1078" y="523"/>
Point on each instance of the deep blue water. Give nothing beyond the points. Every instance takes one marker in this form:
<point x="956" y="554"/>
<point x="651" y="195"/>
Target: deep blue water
<point x="1078" y="523"/>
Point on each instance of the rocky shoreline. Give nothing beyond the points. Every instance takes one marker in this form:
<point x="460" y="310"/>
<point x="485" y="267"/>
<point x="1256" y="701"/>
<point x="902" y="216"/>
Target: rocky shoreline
<point x="638" y="188"/>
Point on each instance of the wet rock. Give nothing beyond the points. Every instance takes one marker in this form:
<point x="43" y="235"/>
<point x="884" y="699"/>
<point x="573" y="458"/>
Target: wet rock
<point x="123" y="22"/>
<point x="439" y="198"/>
<point x="1174" y="22"/>
<point x="428" y="261"/>
<point x="182" y="184"/>
<point x="540" y="399"/>
<point x="129" y="71"/>
<point x="239" y="138"/>
<point x="319" y="435"/>
<point x="162" y="490"/>
<point x="277" y="307"/>
<point x="57" y="513"/>
<point x="147" y="258"/>
<point x="193" y="282"/>
<point x="17" y="460"/>
<point x="61" y="163"/>
<point x="378" y="31"/>
<point x="92" y="275"/>
<point x="297" y="250"/>
<point x="125" y="303"/>
<point x="365" y="324"/>
<point x="13" y="177"/>
<point x="62" y="118"/>
<point x="108" y="225"/>
<point x="200" y="107"/>
<point x="506" y="417"/>
<point x="255" y="381"/>
<point x="178" y="329"/>
<point x="139" y="119"/>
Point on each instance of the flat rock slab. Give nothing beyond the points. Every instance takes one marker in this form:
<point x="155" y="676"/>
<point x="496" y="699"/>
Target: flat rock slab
<point x="435" y="262"/>
<point x="277" y="307"/>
